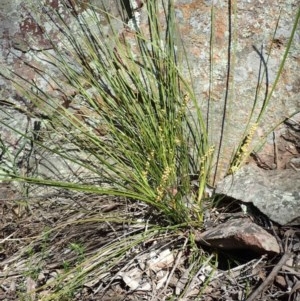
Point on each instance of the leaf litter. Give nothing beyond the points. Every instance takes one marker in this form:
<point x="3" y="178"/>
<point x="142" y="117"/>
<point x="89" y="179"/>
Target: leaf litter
<point x="38" y="255"/>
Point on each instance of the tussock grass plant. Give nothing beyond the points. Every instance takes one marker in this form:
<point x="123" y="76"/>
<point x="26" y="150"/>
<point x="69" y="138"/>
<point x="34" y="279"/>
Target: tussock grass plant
<point x="131" y="131"/>
<point x="120" y="116"/>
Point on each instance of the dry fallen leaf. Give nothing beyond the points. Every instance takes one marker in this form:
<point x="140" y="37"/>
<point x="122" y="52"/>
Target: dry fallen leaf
<point x="30" y="287"/>
<point x="163" y="261"/>
<point x="132" y="278"/>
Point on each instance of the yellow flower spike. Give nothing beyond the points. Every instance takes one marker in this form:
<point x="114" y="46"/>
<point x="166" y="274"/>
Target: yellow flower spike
<point x="147" y="165"/>
<point x="242" y="153"/>
<point x="162" y="187"/>
<point x="177" y="141"/>
<point x="186" y="98"/>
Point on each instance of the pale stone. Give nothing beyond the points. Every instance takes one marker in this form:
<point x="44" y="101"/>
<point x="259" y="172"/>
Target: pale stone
<point x="276" y="193"/>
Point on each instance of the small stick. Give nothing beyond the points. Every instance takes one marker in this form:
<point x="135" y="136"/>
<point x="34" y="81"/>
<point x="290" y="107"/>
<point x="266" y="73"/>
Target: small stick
<point x="275" y="149"/>
<point x="270" y="277"/>
<point x="294" y="167"/>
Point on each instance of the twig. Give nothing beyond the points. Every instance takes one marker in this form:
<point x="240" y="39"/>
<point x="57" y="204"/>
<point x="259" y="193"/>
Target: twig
<point x="294" y="289"/>
<point x="270" y="277"/>
<point x="175" y="266"/>
<point x="243" y="267"/>
<point x="294" y="167"/>
<point x="275" y="149"/>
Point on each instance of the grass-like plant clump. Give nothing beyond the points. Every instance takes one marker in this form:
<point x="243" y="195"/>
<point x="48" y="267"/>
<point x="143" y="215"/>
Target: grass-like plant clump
<point x="132" y="131"/>
<point x="126" y="120"/>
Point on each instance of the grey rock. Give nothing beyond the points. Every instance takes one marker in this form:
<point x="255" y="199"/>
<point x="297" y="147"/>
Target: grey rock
<point x="276" y="193"/>
<point x="256" y="22"/>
